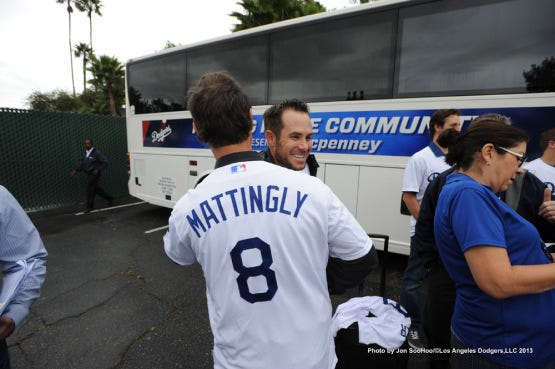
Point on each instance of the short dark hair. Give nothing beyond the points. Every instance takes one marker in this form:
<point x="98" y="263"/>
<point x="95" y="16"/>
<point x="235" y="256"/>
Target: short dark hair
<point x="272" y="116"/>
<point x="438" y="118"/>
<point x="220" y="109"/>
<point x="463" y="147"/>
<point x="547" y="136"/>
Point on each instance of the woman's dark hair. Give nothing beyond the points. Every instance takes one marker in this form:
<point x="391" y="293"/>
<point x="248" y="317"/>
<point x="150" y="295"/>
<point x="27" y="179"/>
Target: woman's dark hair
<point x="464" y="146"/>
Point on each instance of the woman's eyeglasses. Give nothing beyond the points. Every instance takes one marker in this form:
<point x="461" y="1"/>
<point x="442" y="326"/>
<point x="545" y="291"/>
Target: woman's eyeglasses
<point x="521" y="158"/>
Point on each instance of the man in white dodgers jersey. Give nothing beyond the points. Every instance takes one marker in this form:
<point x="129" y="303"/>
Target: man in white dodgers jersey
<point x="422" y="168"/>
<point x="544" y="168"/>
<point x="263" y="235"/>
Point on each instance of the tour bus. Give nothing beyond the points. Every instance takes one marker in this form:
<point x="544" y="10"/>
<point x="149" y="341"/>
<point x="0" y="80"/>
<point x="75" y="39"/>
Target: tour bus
<point x="372" y="74"/>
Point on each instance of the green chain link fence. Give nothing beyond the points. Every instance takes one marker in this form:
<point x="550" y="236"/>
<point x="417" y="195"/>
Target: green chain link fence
<point x="39" y="149"/>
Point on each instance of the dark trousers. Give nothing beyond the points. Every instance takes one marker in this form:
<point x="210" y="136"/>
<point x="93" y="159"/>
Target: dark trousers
<point x="437" y="301"/>
<point x="4" y="355"/>
<point x="411" y="282"/>
<point x="94" y="189"/>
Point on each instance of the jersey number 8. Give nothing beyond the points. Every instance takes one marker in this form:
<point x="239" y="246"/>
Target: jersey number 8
<point x="254" y="271"/>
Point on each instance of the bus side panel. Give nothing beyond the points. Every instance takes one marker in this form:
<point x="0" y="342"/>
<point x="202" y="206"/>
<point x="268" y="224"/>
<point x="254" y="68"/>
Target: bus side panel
<point x="343" y="180"/>
<point x="379" y="199"/>
<point x="159" y="184"/>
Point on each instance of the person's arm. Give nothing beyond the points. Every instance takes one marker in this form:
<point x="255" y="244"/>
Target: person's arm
<point x="176" y="246"/>
<point x="352" y="254"/>
<point x="78" y="167"/>
<point x="101" y="162"/>
<point x="494" y="274"/>
<point x="29" y="291"/>
<point x="412" y="204"/>
<point x="547" y="208"/>
<point x="344" y="274"/>
<point x="19" y="240"/>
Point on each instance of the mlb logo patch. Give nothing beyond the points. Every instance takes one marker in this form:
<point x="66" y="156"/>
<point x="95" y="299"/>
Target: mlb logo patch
<point x="239" y="168"/>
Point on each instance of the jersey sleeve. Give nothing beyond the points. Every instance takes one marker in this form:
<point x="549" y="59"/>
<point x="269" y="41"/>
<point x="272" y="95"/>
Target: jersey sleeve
<point x="412" y="174"/>
<point x="477" y="220"/>
<point x="176" y="244"/>
<point x="347" y="239"/>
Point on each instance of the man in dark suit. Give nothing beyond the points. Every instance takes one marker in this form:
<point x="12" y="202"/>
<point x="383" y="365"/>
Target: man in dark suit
<point x="92" y="163"/>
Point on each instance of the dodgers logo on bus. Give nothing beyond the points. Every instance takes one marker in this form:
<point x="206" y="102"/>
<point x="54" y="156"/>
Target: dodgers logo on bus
<point x="175" y="133"/>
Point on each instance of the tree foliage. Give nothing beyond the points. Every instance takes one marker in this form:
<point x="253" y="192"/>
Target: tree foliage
<point x="108" y="77"/>
<point x="541" y="78"/>
<point x="260" y="12"/>
<point x="106" y="94"/>
<point x="56" y="100"/>
<point x="83" y="50"/>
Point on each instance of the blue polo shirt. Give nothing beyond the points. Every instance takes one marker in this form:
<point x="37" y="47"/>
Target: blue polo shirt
<point x="517" y="331"/>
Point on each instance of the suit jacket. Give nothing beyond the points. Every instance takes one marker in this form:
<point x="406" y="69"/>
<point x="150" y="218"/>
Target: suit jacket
<point x="94" y="161"/>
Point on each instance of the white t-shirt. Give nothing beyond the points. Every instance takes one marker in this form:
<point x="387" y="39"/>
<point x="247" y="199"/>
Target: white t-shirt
<point x="263" y="235"/>
<point x="422" y="168"/>
<point x="544" y="171"/>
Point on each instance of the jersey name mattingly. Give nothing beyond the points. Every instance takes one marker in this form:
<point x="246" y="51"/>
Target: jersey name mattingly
<point x="242" y="201"/>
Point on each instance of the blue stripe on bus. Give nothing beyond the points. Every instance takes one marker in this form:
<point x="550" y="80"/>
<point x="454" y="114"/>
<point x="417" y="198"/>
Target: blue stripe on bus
<point x="394" y="133"/>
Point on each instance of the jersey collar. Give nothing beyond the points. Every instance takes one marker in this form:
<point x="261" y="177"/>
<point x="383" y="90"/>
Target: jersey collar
<point x="435" y="149"/>
<point x="237" y="157"/>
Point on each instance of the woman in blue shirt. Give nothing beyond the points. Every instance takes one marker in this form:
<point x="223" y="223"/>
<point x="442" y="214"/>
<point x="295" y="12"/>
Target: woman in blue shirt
<point x="505" y="279"/>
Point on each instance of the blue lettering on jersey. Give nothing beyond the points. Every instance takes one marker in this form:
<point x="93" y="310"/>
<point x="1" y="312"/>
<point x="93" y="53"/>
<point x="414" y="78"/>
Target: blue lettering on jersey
<point x="253" y="199"/>
<point x="432" y="176"/>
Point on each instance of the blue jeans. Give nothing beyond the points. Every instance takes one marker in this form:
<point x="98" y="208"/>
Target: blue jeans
<point x="412" y="280"/>
<point x="477" y="361"/>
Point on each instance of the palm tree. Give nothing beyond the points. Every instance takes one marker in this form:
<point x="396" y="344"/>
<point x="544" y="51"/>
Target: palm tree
<point x="108" y="76"/>
<point x="83" y="50"/>
<point x="69" y="11"/>
<point x="89" y="6"/>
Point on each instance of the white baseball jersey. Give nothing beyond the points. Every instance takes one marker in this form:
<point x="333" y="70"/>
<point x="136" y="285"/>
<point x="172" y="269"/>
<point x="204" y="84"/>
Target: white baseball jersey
<point x="421" y="169"/>
<point x="263" y="235"/>
<point x="388" y="327"/>
<point x="544" y="171"/>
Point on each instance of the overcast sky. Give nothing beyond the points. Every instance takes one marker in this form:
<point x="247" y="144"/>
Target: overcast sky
<point x="34" y="45"/>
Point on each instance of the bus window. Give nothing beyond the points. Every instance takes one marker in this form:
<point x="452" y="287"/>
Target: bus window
<point x="157" y="85"/>
<point x="449" y="49"/>
<point x="246" y="60"/>
<point x="324" y="61"/>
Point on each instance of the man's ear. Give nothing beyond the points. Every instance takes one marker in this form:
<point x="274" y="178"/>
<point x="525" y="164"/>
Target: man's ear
<point x="270" y="138"/>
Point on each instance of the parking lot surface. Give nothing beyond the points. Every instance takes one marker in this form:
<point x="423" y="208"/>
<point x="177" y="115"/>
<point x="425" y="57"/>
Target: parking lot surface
<point x="113" y="299"/>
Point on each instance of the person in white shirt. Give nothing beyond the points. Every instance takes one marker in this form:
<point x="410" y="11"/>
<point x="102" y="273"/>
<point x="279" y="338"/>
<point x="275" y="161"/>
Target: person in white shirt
<point x="262" y="235"/>
<point x="544" y="166"/>
<point x="422" y="168"/>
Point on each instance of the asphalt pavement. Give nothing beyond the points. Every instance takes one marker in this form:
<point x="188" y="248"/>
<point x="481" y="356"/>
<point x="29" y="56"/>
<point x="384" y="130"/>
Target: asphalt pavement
<point x="113" y="299"/>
